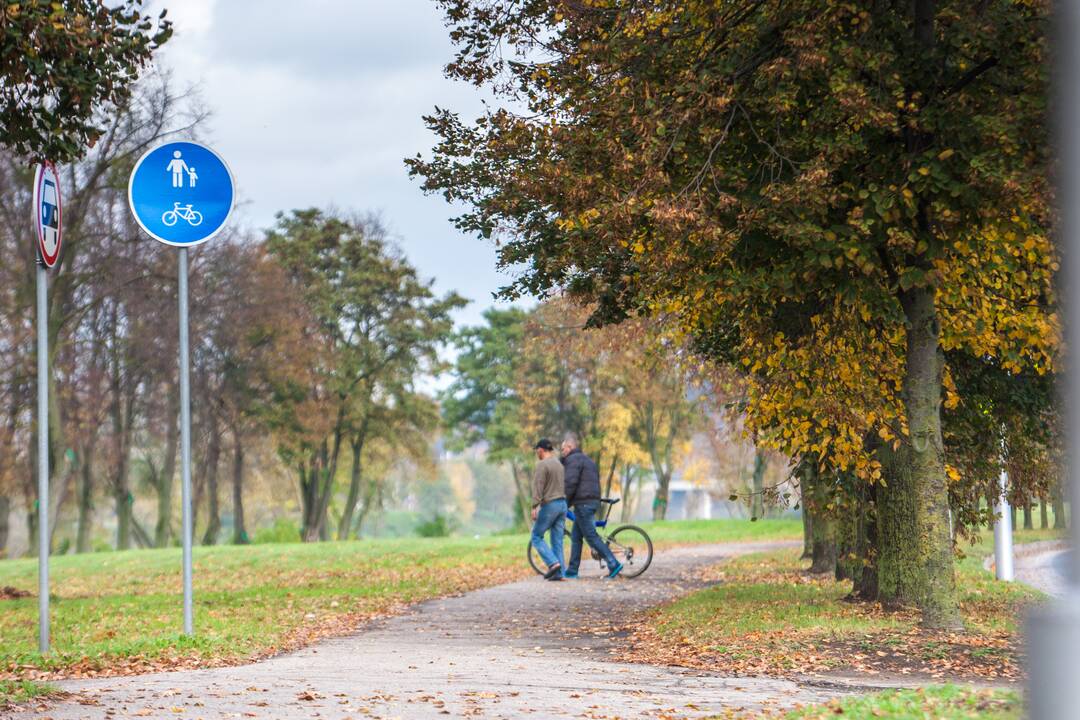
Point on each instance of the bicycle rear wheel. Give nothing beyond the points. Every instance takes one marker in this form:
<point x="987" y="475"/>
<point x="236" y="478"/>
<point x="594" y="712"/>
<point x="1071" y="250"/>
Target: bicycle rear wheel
<point x="535" y="561"/>
<point x="631" y="546"/>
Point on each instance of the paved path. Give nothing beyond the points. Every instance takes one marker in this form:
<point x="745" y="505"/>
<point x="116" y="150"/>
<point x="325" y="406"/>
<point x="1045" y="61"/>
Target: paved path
<point x="529" y="649"/>
<point x="1043" y="566"/>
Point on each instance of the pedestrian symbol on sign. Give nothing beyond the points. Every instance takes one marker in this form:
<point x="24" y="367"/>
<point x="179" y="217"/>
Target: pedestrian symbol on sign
<point x="178" y="167"/>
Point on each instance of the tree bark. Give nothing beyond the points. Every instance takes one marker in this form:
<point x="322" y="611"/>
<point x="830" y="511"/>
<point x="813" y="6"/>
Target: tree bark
<point x="213" y="507"/>
<point x="1059" y="507"/>
<point x="356" y="444"/>
<point x="86" y="501"/>
<point x="523" y="494"/>
<point x="240" y="535"/>
<point x="757" y="497"/>
<point x="807" y="530"/>
<point x="1044" y="515"/>
<point x="916" y="560"/>
<point x="164" y="485"/>
<point x="365" y="508"/>
<point x="824" y="548"/>
<point x="5" y="523"/>
<point x="1028" y="523"/>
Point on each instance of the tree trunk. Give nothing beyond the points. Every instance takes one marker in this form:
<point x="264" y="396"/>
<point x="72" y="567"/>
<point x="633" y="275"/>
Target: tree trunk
<point x="866" y="545"/>
<point x="86" y="502"/>
<point x="807" y="530"/>
<point x="825" y="551"/>
<point x="916" y="560"/>
<point x="1044" y="515"/>
<point x="524" y="496"/>
<point x="31" y="530"/>
<point x="5" y="526"/>
<point x="1059" y="507"/>
<point x="240" y="535"/>
<point x="369" y="501"/>
<point x="1028" y="524"/>
<point x="213" y="507"/>
<point x="607" y="486"/>
<point x="757" y="497"/>
<point x="660" y="502"/>
<point x="355" y="472"/>
<point x="163" y="529"/>
<point x="824" y="548"/>
<point x="317" y="528"/>
<point x="123" y="500"/>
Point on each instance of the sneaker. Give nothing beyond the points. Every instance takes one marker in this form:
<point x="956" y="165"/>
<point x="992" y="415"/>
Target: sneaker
<point x="615" y="571"/>
<point x="552" y="571"/>
<point x="570" y="576"/>
<point x="555" y="578"/>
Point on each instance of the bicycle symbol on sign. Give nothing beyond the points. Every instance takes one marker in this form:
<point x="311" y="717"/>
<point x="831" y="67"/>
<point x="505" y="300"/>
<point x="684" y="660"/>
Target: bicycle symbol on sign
<point x="182" y="212"/>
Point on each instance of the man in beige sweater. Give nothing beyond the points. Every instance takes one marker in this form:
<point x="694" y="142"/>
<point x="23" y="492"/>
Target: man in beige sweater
<point x="548" y="508"/>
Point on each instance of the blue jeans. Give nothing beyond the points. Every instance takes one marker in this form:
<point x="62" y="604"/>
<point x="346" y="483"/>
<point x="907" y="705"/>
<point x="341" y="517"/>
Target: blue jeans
<point x="585" y="528"/>
<point x="552" y="516"/>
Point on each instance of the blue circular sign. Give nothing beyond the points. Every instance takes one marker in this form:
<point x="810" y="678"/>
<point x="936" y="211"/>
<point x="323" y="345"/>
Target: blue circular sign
<point x="181" y="193"/>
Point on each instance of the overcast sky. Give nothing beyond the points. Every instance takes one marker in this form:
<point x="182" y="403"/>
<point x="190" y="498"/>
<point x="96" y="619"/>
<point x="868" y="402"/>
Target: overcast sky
<point x="317" y="103"/>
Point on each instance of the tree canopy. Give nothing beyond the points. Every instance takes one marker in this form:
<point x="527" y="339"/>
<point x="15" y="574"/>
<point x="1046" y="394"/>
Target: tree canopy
<point x="63" y="63"/>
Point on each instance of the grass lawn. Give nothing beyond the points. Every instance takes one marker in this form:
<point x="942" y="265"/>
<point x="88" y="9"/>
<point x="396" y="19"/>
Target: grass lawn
<point x="769" y="617"/>
<point x="120" y="612"/>
<point x="942" y="702"/>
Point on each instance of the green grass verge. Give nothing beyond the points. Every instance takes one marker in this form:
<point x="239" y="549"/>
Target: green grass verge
<point x="942" y="702"/>
<point x="120" y="611"/>
<point x="15" y="692"/>
<point x="770" y="617"/>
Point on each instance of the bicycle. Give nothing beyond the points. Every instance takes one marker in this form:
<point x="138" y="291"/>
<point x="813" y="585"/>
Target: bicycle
<point x="630" y="545"/>
<point x="169" y="217"/>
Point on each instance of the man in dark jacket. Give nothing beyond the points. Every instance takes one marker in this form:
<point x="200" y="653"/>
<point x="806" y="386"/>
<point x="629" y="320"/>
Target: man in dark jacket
<point x="582" y="482"/>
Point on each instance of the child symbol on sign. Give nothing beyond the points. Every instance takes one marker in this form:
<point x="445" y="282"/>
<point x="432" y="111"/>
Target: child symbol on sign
<point x="192" y="177"/>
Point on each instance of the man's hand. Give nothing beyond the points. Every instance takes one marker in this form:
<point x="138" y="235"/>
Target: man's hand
<point x="535" y="512"/>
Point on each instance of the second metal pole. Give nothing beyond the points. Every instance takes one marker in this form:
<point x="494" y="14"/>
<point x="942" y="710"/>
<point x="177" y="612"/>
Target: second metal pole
<point x="185" y="440"/>
<point x="43" y="458"/>
<point x="1003" y="539"/>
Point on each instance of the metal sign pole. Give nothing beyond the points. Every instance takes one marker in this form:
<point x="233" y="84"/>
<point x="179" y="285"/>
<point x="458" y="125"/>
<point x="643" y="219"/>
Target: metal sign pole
<point x="43" y="459"/>
<point x="185" y="439"/>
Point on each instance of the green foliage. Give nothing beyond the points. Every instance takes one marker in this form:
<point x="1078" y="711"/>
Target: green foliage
<point x="283" y="530"/>
<point x="63" y="63"/>
<point x="437" y="527"/>
<point x="943" y="702"/>
<point x="482" y="402"/>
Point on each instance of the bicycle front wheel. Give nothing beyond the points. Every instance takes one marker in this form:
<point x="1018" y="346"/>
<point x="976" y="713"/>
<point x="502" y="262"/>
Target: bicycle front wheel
<point x="631" y="546"/>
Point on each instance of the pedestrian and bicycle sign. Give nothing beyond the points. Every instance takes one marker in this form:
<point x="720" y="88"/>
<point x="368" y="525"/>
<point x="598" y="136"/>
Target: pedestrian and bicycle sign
<point x="48" y="214"/>
<point x="181" y="193"/>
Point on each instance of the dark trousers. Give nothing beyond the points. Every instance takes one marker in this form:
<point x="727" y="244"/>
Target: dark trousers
<point x="585" y="529"/>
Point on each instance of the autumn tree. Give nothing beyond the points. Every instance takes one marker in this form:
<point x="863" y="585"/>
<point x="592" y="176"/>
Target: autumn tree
<point x="382" y="327"/>
<point x="757" y="163"/>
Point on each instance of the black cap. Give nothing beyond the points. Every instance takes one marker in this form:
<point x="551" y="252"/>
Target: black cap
<point x="544" y="444"/>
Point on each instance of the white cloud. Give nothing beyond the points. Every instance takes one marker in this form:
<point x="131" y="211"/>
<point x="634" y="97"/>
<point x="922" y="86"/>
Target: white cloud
<point x="318" y="103"/>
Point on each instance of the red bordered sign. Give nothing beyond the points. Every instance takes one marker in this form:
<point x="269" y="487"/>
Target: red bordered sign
<point x="48" y="214"/>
